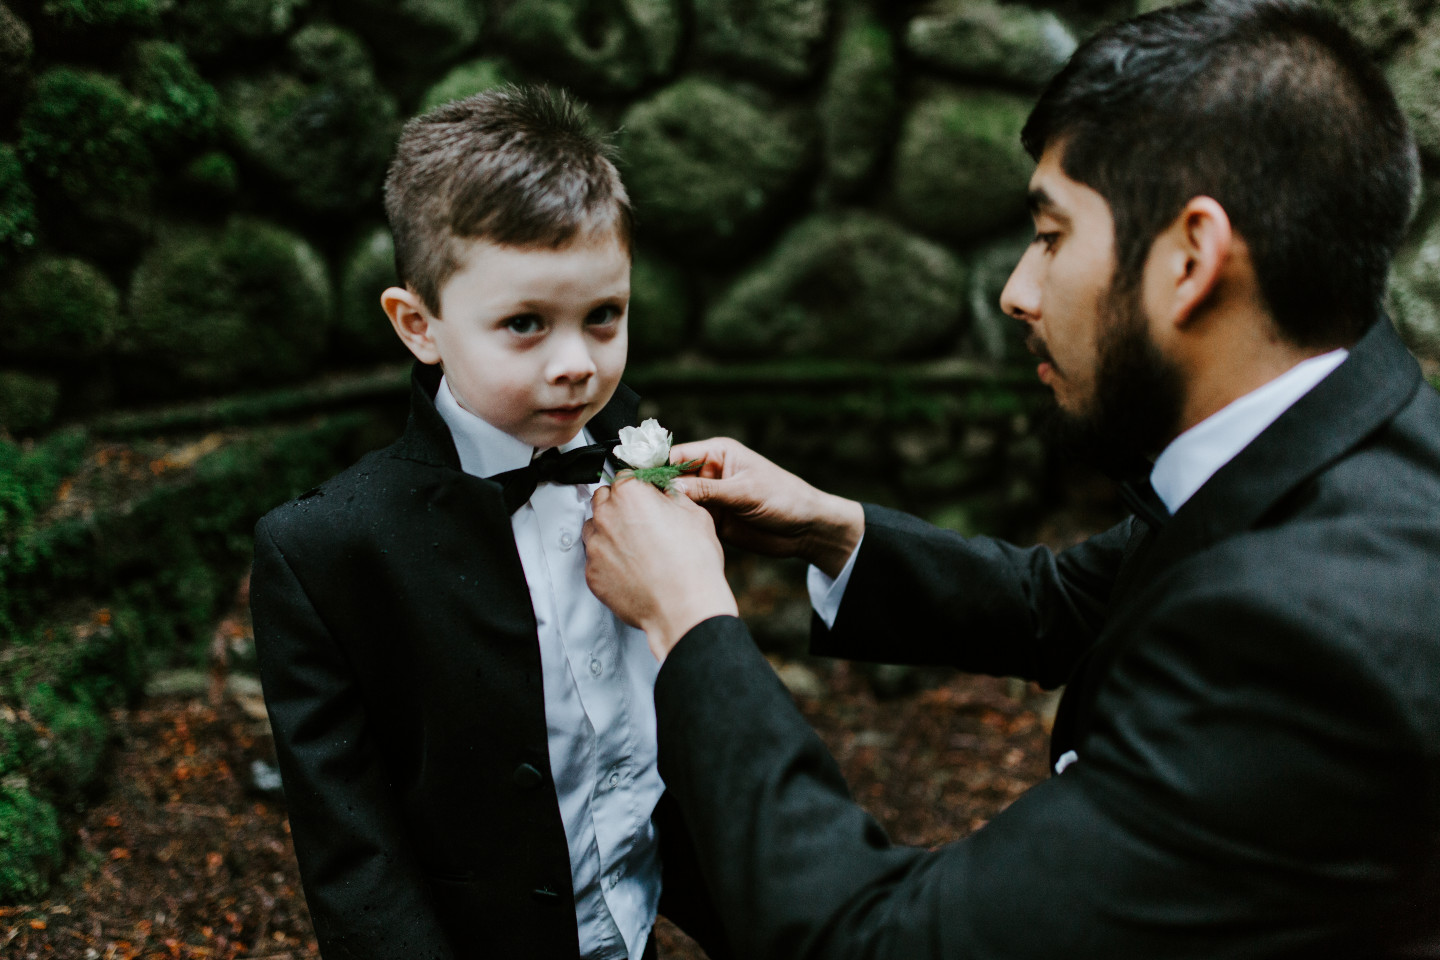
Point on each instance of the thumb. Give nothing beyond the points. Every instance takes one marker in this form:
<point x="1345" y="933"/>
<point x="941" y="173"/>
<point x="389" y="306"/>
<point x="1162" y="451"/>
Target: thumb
<point x="702" y="490"/>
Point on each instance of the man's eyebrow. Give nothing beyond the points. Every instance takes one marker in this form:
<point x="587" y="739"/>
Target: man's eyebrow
<point x="1040" y="202"/>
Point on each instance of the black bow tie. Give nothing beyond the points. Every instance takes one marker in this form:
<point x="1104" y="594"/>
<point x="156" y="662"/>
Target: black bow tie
<point x="581" y="465"/>
<point x="1144" y="502"/>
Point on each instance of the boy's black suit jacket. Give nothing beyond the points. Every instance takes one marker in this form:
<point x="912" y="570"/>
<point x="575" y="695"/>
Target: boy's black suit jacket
<point x="1254" y="697"/>
<point x="401" y="669"/>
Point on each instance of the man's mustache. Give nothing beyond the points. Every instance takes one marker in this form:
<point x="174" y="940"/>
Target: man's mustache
<point x="1036" y="346"/>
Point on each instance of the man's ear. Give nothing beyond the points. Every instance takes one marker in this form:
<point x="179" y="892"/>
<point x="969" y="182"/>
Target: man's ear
<point x="1187" y="261"/>
<point x="412" y="321"/>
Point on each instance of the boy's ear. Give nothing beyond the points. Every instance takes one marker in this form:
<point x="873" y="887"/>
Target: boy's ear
<point x="412" y="322"/>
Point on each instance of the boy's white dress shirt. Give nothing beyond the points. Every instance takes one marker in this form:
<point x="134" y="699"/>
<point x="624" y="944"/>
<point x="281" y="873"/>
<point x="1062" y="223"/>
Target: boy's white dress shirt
<point x="598" y="677"/>
<point x="1181" y="469"/>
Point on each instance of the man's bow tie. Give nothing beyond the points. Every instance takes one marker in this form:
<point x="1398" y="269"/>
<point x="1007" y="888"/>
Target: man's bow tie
<point x="1144" y="502"/>
<point x="581" y="465"/>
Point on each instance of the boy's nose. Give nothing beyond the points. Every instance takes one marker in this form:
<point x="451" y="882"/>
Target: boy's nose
<point x="571" y="361"/>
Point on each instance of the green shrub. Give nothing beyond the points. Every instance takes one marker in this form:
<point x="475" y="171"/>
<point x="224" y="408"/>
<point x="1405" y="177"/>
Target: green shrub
<point x="16" y="49"/>
<point x="660" y="307"/>
<point x="73" y="745"/>
<point x="247" y="304"/>
<point x="59" y="308"/>
<point x="29" y="842"/>
<point x="213" y="174"/>
<point x="18" y="222"/>
<point x="180" y="108"/>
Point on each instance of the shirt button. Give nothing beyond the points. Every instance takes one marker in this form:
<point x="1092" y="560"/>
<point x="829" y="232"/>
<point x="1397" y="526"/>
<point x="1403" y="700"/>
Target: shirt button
<point x="566" y="541"/>
<point x="614" y="779"/>
<point x="595" y="668"/>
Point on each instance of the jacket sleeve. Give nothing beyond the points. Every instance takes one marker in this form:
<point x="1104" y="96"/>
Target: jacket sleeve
<point x="922" y="594"/>
<point x="1269" y="825"/>
<point x="367" y="896"/>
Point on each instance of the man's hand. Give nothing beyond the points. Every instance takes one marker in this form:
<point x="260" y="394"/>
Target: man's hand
<point x="762" y="508"/>
<point x="655" y="561"/>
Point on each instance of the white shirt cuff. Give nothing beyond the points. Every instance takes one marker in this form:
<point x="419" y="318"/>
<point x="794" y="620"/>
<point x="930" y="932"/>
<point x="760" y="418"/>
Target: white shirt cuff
<point x="825" y="593"/>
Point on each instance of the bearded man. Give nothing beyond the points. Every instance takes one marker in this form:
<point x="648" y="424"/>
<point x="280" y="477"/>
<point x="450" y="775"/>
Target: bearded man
<point x="1247" y="753"/>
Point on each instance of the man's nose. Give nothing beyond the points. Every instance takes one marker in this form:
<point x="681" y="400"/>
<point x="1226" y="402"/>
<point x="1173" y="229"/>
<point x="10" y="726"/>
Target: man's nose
<point x="1021" y="297"/>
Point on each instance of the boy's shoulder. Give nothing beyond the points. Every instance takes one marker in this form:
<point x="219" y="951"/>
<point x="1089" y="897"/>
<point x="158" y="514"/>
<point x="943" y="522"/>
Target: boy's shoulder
<point x="373" y="485"/>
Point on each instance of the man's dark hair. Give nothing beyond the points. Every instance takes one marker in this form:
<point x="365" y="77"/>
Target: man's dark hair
<point x="518" y="166"/>
<point x="1271" y="108"/>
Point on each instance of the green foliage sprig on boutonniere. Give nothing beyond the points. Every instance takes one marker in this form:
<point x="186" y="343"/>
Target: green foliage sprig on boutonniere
<point x="646" y="449"/>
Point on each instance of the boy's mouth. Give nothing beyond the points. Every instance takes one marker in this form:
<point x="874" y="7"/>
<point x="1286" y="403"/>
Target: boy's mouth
<point x="565" y="413"/>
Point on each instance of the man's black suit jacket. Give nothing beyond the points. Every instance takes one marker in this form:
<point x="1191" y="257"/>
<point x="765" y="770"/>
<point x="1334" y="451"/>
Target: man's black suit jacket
<point x="1254" y="697"/>
<point x="401" y="669"/>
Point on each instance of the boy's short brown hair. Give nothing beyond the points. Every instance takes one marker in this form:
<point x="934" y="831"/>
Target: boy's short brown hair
<point x="519" y="166"/>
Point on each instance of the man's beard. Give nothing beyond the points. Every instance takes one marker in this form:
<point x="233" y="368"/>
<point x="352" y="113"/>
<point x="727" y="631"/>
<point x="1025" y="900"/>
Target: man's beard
<point x="1137" y="399"/>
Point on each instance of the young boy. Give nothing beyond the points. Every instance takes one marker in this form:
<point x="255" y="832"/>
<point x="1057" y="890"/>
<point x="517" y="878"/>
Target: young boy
<point x="466" y="734"/>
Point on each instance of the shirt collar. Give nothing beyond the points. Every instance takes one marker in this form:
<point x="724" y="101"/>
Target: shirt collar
<point x="485" y="449"/>
<point x="1197" y="454"/>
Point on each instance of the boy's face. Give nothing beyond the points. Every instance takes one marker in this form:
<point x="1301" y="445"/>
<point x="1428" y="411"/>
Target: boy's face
<point x="532" y="340"/>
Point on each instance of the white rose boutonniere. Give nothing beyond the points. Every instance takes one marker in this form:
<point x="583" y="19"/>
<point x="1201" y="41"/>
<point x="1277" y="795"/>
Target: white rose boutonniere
<point x="646" y="449"/>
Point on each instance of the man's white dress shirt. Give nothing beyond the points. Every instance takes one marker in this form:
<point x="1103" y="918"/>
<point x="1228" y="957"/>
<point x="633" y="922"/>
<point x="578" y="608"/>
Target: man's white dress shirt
<point x="598" y="677"/>
<point x="1181" y="469"/>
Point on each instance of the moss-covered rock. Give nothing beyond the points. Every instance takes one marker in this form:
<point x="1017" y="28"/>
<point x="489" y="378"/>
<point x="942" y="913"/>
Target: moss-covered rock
<point x="180" y="108"/>
<point x="27" y="402"/>
<point x="245" y="305"/>
<point x="660" y="306"/>
<point x="16" y="49"/>
<point x="994" y="334"/>
<point x="324" y="129"/>
<point x="29" y="842"/>
<point x="960" y="171"/>
<point x="1414" y="294"/>
<point x="610" y="44"/>
<point x="84" y="141"/>
<point x="18" y="222"/>
<point x="59" y="308"/>
<point x="777" y="39"/>
<point x="208" y="28"/>
<point x="467" y="79"/>
<point x="859" y="103"/>
<point x="362" y="329"/>
<point x="1379" y="23"/>
<point x="72" y="14"/>
<point x="982" y="38"/>
<point x="706" y="166"/>
<point x="414" y="31"/>
<point x="213" y="176"/>
<point x="845" y="285"/>
<point x="1415" y="75"/>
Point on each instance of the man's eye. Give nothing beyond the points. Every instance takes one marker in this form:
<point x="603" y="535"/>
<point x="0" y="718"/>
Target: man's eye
<point x="603" y="315"/>
<point x="1047" y="240"/>
<point x="525" y="323"/>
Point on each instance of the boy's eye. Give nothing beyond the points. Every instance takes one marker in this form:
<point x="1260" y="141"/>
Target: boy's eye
<point x="525" y="323"/>
<point x="600" y="316"/>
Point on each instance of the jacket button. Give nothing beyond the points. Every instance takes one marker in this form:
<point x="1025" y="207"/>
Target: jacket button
<point x="528" y="776"/>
